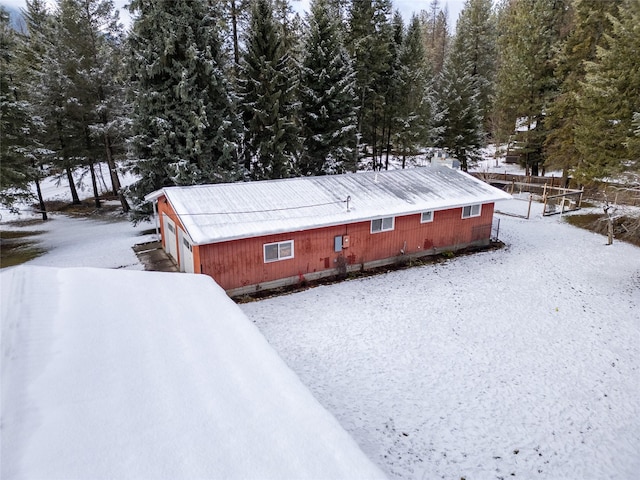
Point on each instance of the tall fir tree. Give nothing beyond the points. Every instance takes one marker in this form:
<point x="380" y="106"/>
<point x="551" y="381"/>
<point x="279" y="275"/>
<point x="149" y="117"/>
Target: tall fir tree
<point x="99" y="42"/>
<point x="589" y="23"/>
<point x="436" y="34"/>
<point x="460" y="123"/>
<point x="29" y="62"/>
<point x="476" y="30"/>
<point x="15" y="122"/>
<point x="605" y="132"/>
<point x="184" y="124"/>
<point x="267" y="88"/>
<point x="414" y="121"/>
<point x="236" y="13"/>
<point x="53" y="91"/>
<point x="370" y="38"/>
<point x="327" y="96"/>
<point x="90" y="32"/>
<point x="531" y="32"/>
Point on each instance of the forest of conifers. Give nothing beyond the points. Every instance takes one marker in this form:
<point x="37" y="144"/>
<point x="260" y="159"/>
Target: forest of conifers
<point x="204" y="91"/>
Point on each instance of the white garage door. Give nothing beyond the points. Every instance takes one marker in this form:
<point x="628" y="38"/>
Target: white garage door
<point x="186" y="252"/>
<point x="170" y="238"/>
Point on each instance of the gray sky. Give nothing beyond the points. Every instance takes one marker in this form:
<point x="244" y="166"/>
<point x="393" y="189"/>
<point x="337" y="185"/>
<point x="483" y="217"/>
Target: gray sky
<point x="406" y="7"/>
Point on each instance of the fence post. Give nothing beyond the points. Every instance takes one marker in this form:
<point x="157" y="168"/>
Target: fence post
<point x="529" y="210"/>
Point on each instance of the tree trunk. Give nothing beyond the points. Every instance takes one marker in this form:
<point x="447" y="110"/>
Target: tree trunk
<point x="374" y="140"/>
<point x="462" y="158"/>
<point x="94" y="184"/>
<point x="234" y="27"/>
<point x="75" y="199"/>
<point x="113" y="172"/>
<point x="388" y="146"/>
<point x="43" y="207"/>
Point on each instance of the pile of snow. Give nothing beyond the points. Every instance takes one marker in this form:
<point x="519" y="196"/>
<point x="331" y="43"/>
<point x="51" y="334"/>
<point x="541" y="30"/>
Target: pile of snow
<point x="522" y="362"/>
<point x="126" y="374"/>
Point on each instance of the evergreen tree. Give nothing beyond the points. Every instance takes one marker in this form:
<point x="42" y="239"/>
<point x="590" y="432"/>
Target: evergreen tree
<point x="370" y="38"/>
<point x="236" y="15"/>
<point x="31" y="49"/>
<point x="531" y="31"/>
<point x="476" y="31"/>
<point x="53" y="92"/>
<point x="391" y="87"/>
<point x="184" y="126"/>
<point x="15" y="124"/>
<point x="414" y="120"/>
<point x="605" y="133"/>
<point x="89" y="32"/>
<point x="267" y="88"/>
<point x="328" y="115"/>
<point x="460" y="125"/>
<point x="589" y="24"/>
<point x="436" y="35"/>
<point x="97" y="40"/>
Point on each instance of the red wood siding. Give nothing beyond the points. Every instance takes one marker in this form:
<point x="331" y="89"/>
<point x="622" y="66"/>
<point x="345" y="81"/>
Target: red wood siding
<point x="241" y="263"/>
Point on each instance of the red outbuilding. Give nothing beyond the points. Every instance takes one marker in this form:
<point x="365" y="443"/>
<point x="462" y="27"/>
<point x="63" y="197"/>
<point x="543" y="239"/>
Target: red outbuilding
<point x="251" y="236"/>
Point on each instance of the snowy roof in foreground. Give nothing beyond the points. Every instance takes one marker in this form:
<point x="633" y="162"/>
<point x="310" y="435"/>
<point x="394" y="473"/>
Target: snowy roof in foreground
<point x="221" y="212"/>
<point x="101" y="379"/>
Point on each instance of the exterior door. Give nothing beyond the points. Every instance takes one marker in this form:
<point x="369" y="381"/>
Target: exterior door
<point x="170" y="238"/>
<point x="186" y="252"/>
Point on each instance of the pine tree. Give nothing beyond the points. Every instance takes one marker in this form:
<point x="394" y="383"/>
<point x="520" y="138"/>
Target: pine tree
<point x="97" y="40"/>
<point x="30" y="56"/>
<point x="436" y="35"/>
<point x="605" y="132"/>
<point x="460" y="125"/>
<point x="391" y="87"/>
<point x="414" y="120"/>
<point x="328" y="115"/>
<point x="477" y="32"/>
<point x="236" y="15"/>
<point x="15" y="124"/>
<point x="267" y="88"/>
<point x="589" y="24"/>
<point x="370" y="38"/>
<point x="184" y="126"/>
<point x="531" y="31"/>
<point x="52" y="92"/>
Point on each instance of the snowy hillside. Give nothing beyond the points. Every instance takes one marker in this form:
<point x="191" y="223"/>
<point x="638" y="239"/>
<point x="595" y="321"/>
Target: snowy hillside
<point x="145" y="375"/>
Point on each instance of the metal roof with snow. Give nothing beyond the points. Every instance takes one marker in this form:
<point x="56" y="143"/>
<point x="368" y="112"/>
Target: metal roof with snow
<point x="230" y="211"/>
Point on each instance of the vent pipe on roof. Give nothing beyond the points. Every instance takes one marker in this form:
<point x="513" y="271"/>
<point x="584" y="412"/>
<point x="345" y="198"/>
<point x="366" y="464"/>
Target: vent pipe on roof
<point x="348" y="200"/>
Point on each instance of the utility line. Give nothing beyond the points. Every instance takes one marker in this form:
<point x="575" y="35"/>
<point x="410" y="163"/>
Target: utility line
<point x="265" y="211"/>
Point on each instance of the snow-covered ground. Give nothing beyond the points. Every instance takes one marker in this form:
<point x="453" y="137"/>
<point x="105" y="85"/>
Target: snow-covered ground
<point x="516" y="363"/>
<point x="522" y="362"/>
<point x="145" y="375"/>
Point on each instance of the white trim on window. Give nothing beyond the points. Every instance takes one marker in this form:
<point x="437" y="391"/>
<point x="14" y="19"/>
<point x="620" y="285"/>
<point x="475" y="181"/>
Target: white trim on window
<point x="274" y="252"/>
<point x="426" y="217"/>
<point x="472" y="211"/>
<point x="384" y="224"/>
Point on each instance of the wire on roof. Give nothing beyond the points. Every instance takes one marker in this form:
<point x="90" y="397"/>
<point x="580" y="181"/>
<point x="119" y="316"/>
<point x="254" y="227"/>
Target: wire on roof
<point x="300" y="207"/>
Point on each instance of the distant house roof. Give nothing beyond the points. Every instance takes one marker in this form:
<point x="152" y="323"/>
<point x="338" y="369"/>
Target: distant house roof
<point x="229" y="211"/>
<point x="172" y="381"/>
